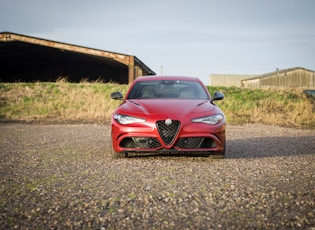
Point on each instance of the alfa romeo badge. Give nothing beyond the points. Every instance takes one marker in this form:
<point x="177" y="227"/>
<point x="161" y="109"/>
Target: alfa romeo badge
<point x="168" y="122"/>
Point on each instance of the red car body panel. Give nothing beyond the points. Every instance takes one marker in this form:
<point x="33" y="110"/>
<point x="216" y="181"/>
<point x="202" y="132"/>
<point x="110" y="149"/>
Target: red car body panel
<point x="149" y="137"/>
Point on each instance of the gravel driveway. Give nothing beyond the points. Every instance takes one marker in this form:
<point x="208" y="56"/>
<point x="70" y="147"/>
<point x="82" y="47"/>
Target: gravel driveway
<point x="63" y="177"/>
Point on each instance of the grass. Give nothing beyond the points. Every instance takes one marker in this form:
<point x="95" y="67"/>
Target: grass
<point x="291" y="107"/>
<point x="61" y="101"/>
<point x="90" y="102"/>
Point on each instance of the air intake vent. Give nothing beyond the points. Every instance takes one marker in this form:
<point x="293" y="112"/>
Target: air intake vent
<point x="196" y="143"/>
<point x="168" y="132"/>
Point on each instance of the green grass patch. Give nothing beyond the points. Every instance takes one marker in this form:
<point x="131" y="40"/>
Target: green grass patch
<point x="276" y="107"/>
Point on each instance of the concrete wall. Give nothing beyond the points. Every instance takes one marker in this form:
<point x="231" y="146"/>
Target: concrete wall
<point x="228" y="80"/>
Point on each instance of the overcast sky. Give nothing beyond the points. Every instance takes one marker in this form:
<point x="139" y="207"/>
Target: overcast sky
<point x="178" y="37"/>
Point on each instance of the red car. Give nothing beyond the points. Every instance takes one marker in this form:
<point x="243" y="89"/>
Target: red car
<point x="168" y="114"/>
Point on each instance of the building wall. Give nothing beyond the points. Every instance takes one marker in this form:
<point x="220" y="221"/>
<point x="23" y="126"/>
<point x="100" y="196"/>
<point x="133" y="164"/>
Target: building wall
<point x="290" y="78"/>
<point x="228" y="80"/>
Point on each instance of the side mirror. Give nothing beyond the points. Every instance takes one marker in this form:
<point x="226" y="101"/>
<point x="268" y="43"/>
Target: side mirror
<point x="116" y="96"/>
<point x="218" y="96"/>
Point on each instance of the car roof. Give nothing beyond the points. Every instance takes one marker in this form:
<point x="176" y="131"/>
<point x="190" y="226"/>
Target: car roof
<point x="157" y="77"/>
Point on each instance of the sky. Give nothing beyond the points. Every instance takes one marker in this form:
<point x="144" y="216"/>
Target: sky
<point x="178" y="37"/>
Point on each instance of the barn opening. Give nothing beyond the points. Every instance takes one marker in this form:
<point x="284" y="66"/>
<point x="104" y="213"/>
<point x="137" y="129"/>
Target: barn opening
<point x="29" y="59"/>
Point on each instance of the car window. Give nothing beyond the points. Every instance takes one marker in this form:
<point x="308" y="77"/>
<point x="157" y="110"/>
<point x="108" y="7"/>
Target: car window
<point x="168" y="89"/>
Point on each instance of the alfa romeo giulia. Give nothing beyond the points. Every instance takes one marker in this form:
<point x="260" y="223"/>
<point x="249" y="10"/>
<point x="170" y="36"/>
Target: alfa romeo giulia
<point x="168" y="114"/>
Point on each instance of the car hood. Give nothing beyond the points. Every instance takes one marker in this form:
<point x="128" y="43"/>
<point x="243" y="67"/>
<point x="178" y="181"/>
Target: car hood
<point x="165" y="107"/>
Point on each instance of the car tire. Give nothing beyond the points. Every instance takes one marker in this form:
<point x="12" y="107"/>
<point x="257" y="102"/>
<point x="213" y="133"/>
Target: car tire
<point x="117" y="155"/>
<point x="218" y="156"/>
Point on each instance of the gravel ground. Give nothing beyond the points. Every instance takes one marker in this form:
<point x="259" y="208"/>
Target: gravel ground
<point x="63" y="177"/>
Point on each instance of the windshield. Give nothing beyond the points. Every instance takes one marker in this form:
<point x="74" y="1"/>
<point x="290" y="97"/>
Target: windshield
<point x="168" y="89"/>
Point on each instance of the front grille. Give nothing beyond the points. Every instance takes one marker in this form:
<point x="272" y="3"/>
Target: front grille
<point x="195" y="143"/>
<point x="168" y="132"/>
<point x="140" y="142"/>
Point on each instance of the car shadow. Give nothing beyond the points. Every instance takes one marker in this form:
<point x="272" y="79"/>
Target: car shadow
<point x="270" y="147"/>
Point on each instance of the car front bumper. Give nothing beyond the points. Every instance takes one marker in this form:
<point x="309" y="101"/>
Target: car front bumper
<point x="146" y="137"/>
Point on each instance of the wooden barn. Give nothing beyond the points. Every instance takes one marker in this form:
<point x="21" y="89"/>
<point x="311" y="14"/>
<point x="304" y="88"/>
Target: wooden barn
<point x="29" y="59"/>
<point x="287" y="78"/>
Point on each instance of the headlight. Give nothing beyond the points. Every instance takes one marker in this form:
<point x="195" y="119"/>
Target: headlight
<point x="210" y="120"/>
<point x="124" y="119"/>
